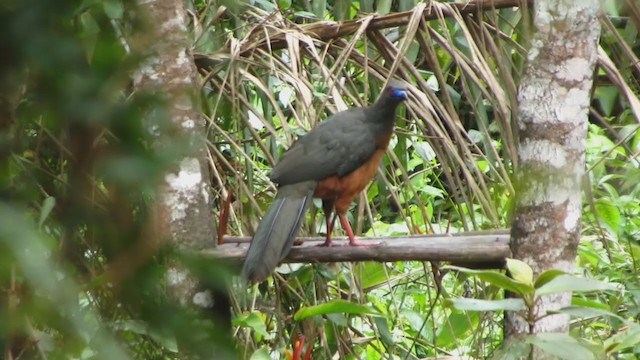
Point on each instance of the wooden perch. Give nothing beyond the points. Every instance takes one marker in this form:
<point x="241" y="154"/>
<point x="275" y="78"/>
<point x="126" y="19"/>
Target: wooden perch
<point x="470" y="247"/>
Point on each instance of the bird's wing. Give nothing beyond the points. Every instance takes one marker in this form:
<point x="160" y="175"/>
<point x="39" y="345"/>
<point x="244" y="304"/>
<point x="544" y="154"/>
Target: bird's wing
<point x="337" y="146"/>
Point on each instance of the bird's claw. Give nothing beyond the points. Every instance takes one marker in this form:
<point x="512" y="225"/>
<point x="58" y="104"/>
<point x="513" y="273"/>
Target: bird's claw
<point x="352" y="242"/>
<point x="326" y="243"/>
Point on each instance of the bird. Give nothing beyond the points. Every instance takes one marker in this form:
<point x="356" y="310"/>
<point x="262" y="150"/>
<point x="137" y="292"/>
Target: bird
<point x="334" y="161"/>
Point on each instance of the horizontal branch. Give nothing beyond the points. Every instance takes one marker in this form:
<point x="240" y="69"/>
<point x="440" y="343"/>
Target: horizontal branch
<point x="474" y="247"/>
<point x="326" y="30"/>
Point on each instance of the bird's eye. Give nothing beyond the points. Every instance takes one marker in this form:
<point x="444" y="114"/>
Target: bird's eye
<point x="391" y="91"/>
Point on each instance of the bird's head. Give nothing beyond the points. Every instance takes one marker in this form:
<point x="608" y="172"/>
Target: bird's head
<point x="396" y="92"/>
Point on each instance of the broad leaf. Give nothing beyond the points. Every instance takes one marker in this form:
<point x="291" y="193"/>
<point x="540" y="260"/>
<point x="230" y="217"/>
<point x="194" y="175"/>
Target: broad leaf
<point x="624" y="339"/>
<point x="284" y="4"/>
<point x="383" y="330"/>
<point x="520" y="271"/>
<point x="587" y="312"/>
<point x="373" y="273"/>
<point x="457" y="325"/>
<point x="515" y="348"/>
<point x="570" y="283"/>
<point x="45" y="210"/>
<point x="561" y="345"/>
<point x="417" y="322"/>
<point x="547" y="276"/>
<point x="609" y="214"/>
<point x="338" y="319"/>
<point x="487" y="305"/>
<point x="114" y="9"/>
<point x="335" y="306"/>
<point x="261" y="354"/>
<point x="253" y="321"/>
<point x="607" y="97"/>
<point x="496" y="278"/>
<point x="580" y="302"/>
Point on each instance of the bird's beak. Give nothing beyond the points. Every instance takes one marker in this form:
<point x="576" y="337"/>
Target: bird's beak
<point x="401" y="94"/>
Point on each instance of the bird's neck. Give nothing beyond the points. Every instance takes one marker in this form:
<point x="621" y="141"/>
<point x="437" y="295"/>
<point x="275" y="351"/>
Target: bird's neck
<point x="386" y="102"/>
<point x="383" y="111"/>
<point x="381" y="117"/>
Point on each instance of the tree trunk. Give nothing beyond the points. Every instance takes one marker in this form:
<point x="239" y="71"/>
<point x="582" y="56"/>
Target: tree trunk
<point x="168" y="71"/>
<point x="553" y="103"/>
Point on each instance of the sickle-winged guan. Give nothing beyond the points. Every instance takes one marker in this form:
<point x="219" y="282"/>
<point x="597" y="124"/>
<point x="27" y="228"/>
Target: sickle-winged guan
<point x="334" y="161"/>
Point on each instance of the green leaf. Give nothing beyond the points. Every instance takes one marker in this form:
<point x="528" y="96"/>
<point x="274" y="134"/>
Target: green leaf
<point x="496" y="278"/>
<point x="425" y="151"/>
<point x="560" y="345"/>
<point x="113" y="9"/>
<point x="335" y="306"/>
<point x="547" y="276"/>
<point x="475" y="136"/>
<point x="514" y="348"/>
<point x="45" y="210"/>
<point x="265" y="4"/>
<point x="284" y="4"/>
<point x="432" y="191"/>
<point x="373" y="273"/>
<point x="417" y="322"/>
<point x="261" y="354"/>
<point x="413" y="51"/>
<point x="432" y="82"/>
<point x="406" y="5"/>
<point x="624" y="339"/>
<point x="520" y="271"/>
<point x="89" y="33"/>
<point x="32" y="257"/>
<point x="366" y="6"/>
<point x="86" y="5"/>
<point x="487" y="305"/>
<point x="338" y="319"/>
<point x="142" y="328"/>
<point x="305" y="14"/>
<point x="458" y="324"/>
<point x="253" y="321"/>
<point x="302" y="275"/>
<point x="383" y="6"/>
<point x="607" y="96"/>
<point x="341" y="9"/>
<point x="587" y="312"/>
<point x="319" y="7"/>
<point x="591" y="256"/>
<point x="580" y="302"/>
<point x="609" y="214"/>
<point x="570" y="283"/>
<point x="383" y="330"/>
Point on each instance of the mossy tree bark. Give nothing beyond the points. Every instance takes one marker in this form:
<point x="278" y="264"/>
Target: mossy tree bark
<point x="184" y="213"/>
<point x="553" y="104"/>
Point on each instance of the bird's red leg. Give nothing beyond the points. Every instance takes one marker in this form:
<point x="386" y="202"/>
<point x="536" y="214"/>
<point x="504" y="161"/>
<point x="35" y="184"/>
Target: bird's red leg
<point x="224" y="218"/>
<point x="347" y="228"/>
<point x="327" y="206"/>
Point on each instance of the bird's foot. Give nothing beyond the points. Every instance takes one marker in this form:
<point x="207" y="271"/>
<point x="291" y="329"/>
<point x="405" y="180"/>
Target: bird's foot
<point x="326" y="243"/>
<point x="352" y="242"/>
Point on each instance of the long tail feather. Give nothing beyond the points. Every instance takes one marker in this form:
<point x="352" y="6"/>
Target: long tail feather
<point x="277" y="229"/>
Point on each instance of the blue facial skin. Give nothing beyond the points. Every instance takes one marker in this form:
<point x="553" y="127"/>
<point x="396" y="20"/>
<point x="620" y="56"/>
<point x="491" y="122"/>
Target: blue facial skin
<point x="399" y="93"/>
